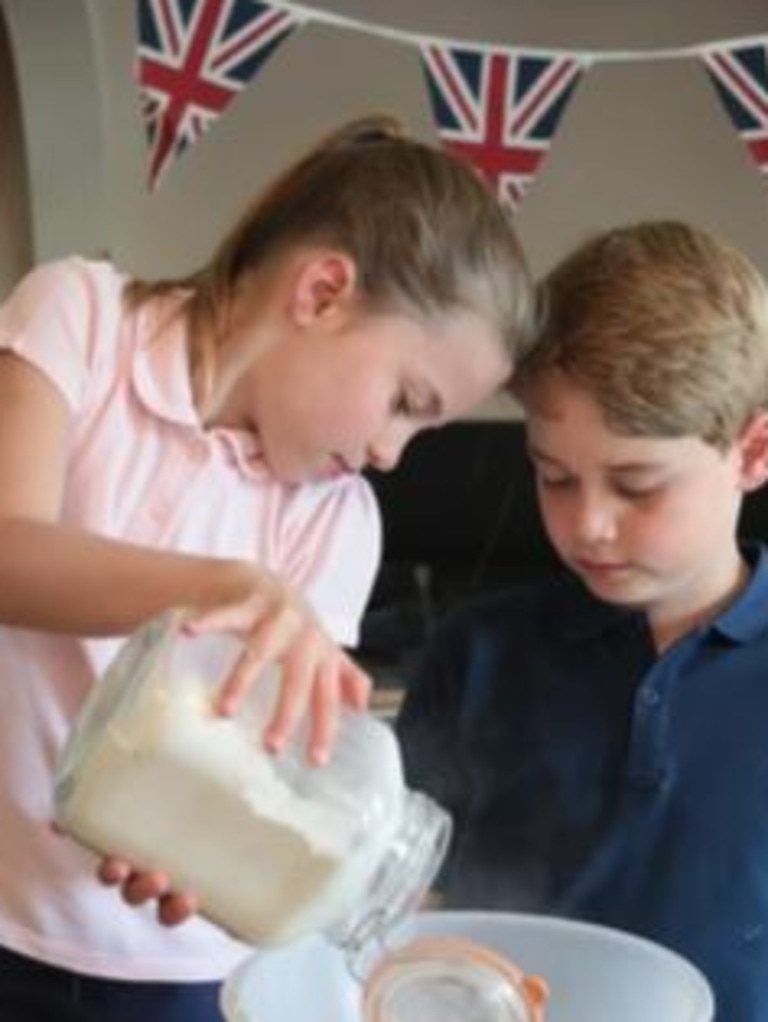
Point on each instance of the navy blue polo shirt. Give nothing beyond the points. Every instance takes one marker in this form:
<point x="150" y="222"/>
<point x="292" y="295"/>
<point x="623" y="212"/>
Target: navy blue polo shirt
<point x="590" y="778"/>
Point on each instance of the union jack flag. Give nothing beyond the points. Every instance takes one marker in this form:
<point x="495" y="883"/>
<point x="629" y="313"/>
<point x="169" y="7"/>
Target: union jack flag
<point x="740" y="76"/>
<point x="194" y="57"/>
<point x="499" y="108"/>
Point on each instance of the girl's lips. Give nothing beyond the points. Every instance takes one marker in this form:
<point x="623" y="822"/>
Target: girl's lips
<point x="337" y="467"/>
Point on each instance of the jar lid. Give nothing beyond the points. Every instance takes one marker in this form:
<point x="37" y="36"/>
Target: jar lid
<point x="448" y="979"/>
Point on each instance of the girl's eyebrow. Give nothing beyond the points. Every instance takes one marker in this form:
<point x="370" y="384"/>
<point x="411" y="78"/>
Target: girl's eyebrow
<point x="538" y="455"/>
<point x="434" y="404"/>
<point x="427" y="399"/>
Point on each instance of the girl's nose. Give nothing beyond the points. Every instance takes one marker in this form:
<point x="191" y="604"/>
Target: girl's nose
<point x="385" y="453"/>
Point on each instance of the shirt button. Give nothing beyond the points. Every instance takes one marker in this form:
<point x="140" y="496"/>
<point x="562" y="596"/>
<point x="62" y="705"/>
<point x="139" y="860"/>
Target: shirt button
<point x="650" y="697"/>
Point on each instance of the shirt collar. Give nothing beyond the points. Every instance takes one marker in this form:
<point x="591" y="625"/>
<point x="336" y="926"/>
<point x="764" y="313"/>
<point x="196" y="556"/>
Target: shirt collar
<point x="160" y="370"/>
<point x="747" y="617"/>
<point x="162" y="382"/>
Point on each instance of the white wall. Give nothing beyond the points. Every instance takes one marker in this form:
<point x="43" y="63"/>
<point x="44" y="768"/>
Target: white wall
<point x="644" y="139"/>
<point x="53" y="57"/>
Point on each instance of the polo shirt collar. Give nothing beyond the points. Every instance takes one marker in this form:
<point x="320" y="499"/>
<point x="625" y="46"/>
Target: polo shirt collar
<point x="160" y="370"/>
<point x="162" y="381"/>
<point x="747" y="616"/>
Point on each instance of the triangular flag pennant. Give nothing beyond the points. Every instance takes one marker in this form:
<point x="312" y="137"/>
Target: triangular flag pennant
<point x="499" y="108"/>
<point x="194" y="57"/>
<point x="740" y="76"/>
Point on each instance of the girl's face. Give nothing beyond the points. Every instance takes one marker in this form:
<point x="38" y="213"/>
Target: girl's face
<point x="351" y="392"/>
<point x="646" y="522"/>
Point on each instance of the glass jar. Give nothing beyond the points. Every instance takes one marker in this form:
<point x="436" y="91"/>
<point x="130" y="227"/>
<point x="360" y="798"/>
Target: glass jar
<point x="273" y="848"/>
<point x="448" y="979"/>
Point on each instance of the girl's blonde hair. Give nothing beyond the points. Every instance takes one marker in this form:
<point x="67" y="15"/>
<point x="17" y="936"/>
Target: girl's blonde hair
<point x="665" y="326"/>
<point x="426" y="234"/>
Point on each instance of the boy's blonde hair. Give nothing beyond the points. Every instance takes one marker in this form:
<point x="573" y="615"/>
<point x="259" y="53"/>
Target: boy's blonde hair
<point x="427" y="235"/>
<point x="665" y="326"/>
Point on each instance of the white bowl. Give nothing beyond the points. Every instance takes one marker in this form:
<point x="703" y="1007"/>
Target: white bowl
<point x="595" y="974"/>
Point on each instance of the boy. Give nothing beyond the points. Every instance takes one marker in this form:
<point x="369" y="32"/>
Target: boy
<point x="601" y="740"/>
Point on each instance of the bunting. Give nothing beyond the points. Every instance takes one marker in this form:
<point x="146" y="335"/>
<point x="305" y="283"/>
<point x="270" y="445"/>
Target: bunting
<point x="740" y="76"/>
<point x="194" y="57"/>
<point x="499" y="108"/>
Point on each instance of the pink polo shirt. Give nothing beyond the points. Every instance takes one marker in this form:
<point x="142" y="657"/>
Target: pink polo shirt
<point x="141" y="468"/>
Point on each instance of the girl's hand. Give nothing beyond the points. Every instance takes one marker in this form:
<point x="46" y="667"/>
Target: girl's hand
<point x="317" y="677"/>
<point x="278" y="626"/>
<point x="173" y="907"/>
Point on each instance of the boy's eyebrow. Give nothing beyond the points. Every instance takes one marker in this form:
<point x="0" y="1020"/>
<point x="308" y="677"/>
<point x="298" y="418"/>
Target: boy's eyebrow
<point x="629" y="467"/>
<point x="621" y="468"/>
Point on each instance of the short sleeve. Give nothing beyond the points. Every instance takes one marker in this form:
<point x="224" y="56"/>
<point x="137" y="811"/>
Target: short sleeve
<point x="333" y="551"/>
<point x="55" y="318"/>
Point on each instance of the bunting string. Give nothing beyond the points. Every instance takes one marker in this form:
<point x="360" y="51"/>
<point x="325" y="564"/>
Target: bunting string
<point x="321" y="17"/>
<point x="497" y="106"/>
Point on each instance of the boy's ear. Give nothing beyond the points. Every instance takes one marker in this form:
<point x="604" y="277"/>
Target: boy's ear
<point x="753" y="444"/>
<point x="325" y="282"/>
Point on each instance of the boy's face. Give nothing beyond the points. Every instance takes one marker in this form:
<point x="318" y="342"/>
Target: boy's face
<point x="645" y="522"/>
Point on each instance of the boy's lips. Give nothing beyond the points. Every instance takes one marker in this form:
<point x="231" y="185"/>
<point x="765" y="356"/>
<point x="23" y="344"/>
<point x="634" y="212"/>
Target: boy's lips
<point x="590" y="567"/>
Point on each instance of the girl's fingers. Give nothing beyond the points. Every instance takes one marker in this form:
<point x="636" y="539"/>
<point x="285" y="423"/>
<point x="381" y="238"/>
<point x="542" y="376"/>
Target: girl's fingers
<point x="355" y="685"/>
<point x="292" y="698"/>
<point x="324" y="706"/>
<point x="140" y="888"/>
<point x="317" y="675"/>
<point x="113" y="871"/>
<point x="176" y="907"/>
<point x="267" y="644"/>
<point x="249" y="666"/>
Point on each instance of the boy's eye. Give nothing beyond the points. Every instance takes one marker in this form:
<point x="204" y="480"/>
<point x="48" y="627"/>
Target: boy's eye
<point x="635" y="492"/>
<point x="555" y="482"/>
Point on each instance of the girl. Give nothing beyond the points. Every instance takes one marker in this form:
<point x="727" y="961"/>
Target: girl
<point x="198" y="442"/>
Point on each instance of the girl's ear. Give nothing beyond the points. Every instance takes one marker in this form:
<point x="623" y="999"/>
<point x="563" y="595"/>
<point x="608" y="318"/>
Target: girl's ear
<point x="753" y="444"/>
<point x="324" y="283"/>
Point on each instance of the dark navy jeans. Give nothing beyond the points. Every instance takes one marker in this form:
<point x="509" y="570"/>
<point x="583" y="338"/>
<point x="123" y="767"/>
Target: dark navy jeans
<point x="31" y="991"/>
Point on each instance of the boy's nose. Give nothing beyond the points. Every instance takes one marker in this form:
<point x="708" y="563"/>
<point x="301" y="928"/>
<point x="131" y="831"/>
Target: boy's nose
<point x="595" y="521"/>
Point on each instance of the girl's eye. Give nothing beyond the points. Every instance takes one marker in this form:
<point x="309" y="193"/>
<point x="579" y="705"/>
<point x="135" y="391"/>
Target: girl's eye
<point x="403" y="405"/>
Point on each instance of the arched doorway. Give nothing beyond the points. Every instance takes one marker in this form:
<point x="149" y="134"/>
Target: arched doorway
<point x="16" y="250"/>
<point x="51" y="61"/>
